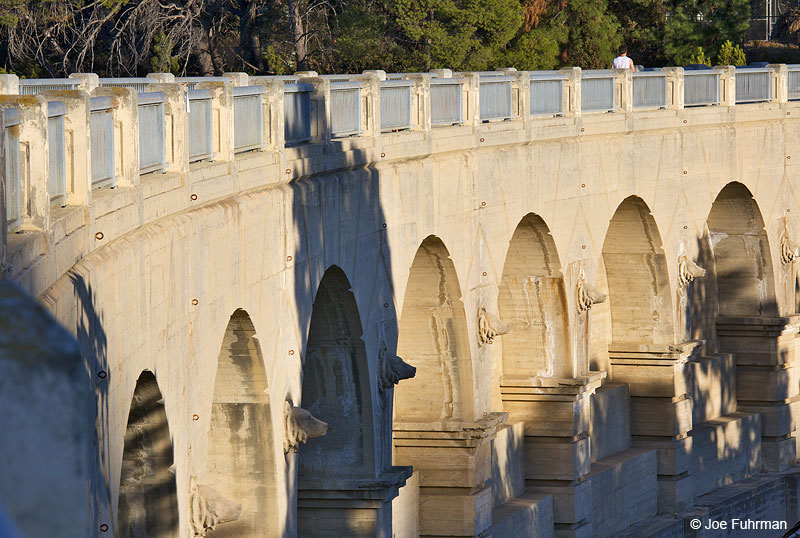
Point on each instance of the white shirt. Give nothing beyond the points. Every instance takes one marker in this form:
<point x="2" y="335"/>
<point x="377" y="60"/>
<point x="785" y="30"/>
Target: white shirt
<point x="623" y="62"/>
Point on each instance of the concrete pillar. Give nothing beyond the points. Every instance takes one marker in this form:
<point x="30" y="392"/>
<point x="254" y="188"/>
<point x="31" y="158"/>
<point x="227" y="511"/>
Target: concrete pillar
<point x="126" y="133"/>
<point x="89" y="81"/>
<point x="674" y="95"/>
<point x="358" y="507"/>
<point x="571" y="97"/>
<point x="162" y="78"/>
<point x="471" y="100"/>
<point x="371" y="104"/>
<point x="453" y="462"/>
<point x="222" y="118"/>
<point x="320" y="112"/>
<point x="767" y="379"/>
<point x="272" y="100"/>
<point x="660" y="383"/>
<point x="727" y="85"/>
<point x="623" y="90"/>
<point x="780" y="76"/>
<point x="380" y="73"/>
<point x="176" y="128"/>
<point x="557" y="417"/>
<point x="238" y="79"/>
<point x="9" y="85"/>
<point x="34" y="159"/>
<point x="441" y="73"/>
<point x="520" y="92"/>
<point x="79" y="144"/>
<point x="420" y="102"/>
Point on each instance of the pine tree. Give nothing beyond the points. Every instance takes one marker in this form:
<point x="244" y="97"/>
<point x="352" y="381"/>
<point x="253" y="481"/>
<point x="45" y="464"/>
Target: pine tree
<point x="703" y="23"/>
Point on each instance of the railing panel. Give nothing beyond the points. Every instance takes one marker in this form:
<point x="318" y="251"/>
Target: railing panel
<point x="12" y="169"/>
<point x="56" y="141"/>
<point x="700" y="88"/>
<point x="101" y="129"/>
<point x="248" y="122"/>
<point x="297" y="113"/>
<point x="597" y="93"/>
<point x="753" y="85"/>
<point x="547" y="95"/>
<point x="649" y="90"/>
<point x="34" y="86"/>
<point x="793" y="82"/>
<point x="152" y="144"/>
<point x="140" y="84"/>
<point x="446" y="102"/>
<point x="395" y="105"/>
<point x="345" y="109"/>
<point x="200" y="125"/>
<point x="495" y="98"/>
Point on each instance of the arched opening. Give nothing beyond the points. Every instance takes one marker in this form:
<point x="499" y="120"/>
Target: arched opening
<point x="638" y="280"/>
<point x="148" y="499"/>
<point x="742" y="261"/>
<point x="336" y="385"/>
<point x="433" y="338"/>
<point x="533" y="302"/>
<point x="241" y="462"/>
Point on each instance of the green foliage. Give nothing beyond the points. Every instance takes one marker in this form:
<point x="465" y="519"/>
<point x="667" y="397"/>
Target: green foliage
<point x="703" y="23"/>
<point x="592" y="33"/>
<point x="162" y="60"/>
<point x="730" y="54"/>
<point x="274" y="62"/>
<point x="642" y="29"/>
<point x="699" y="57"/>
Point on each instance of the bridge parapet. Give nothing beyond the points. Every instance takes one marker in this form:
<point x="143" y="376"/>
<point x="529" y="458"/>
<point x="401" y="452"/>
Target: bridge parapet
<point x="171" y="135"/>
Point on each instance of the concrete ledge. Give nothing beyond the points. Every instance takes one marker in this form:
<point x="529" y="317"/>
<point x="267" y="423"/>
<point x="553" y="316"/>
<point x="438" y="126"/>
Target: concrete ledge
<point x="528" y="515"/>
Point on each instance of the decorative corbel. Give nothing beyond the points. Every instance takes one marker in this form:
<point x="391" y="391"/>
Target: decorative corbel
<point x="490" y="326"/>
<point x="393" y="369"/>
<point x="299" y="426"/>
<point x="789" y="249"/>
<point x="587" y="294"/>
<point x="209" y="508"/>
<point x="688" y="271"/>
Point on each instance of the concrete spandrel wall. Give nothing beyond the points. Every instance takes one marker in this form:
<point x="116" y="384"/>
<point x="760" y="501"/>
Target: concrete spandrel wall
<point x="160" y="297"/>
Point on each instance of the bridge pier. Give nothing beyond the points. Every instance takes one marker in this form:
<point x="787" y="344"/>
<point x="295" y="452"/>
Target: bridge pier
<point x="767" y="380"/>
<point x="453" y="460"/>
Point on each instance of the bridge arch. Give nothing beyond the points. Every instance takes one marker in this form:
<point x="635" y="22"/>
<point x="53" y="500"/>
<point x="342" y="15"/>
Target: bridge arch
<point x="241" y="453"/>
<point x="638" y="278"/>
<point x="742" y="260"/>
<point x="532" y="300"/>
<point x="336" y="385"/>
<point x="433" y="337"/>
<point x="148" y="498"/>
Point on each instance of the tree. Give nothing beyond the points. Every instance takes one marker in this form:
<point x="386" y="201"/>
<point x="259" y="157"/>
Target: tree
<point x="703" y="23"/>
<point x="642" y="28"/>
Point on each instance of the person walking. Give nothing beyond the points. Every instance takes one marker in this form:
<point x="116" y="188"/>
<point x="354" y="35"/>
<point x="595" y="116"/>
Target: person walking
<point x="622" y="61"/>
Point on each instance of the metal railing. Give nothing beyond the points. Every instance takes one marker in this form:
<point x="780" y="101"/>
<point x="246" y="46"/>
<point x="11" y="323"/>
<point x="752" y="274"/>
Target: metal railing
<point x="101" y="128"/>
<point x="753" y="85"/>
<point x="793" y="82"/>
<point x="12" y="118"/>
<point x="57" y="152"/>
<point x="34" y="86"/>
<point x="139" y="84"/>
<point x="152" y="143"/>
<point x="297" y="113"/>
<point x="547" y="93"/>
<point x="248" y="119"/>
<point x="200" y="125"/>
<point x="345" y="108"/>
<point x="597" y="91"/>
<point x="700" y="87"/>
<point x="446" y="98"/>
<point x="495" y="97"/>
<point x="396" y="105"/>
<point x="649" y="89"/>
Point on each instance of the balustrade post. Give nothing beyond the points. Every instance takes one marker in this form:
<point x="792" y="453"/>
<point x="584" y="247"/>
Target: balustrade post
<point x="126" y="132"/>
<point x="221" y="118"/>
<point x="78" y="136"/>
<point x="780" y="87"/>
<point x="370" y="104"/>
<point x="34" y="159"/>
<point x="623" y="90"/>
<point x="272" y="101"/>
<point x="176" y="126"/>
<point x="571" y="98"/>
<point x="238" y="79"/>
<point x="9" y="85"/>
<point x="162" y="78"/>
<point x="674" y="92"/>
<point x="320" y="109"/>
<point x="380" y="73"/>
<point x="727" y="85"/>
<point x="471" y="102"/>
<point x="420" y="102"/>
<point x="89" y="81"/>
<point x="520" y="92"/>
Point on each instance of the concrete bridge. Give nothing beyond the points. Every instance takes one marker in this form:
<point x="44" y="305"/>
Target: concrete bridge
<point x="592" y="274"/>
